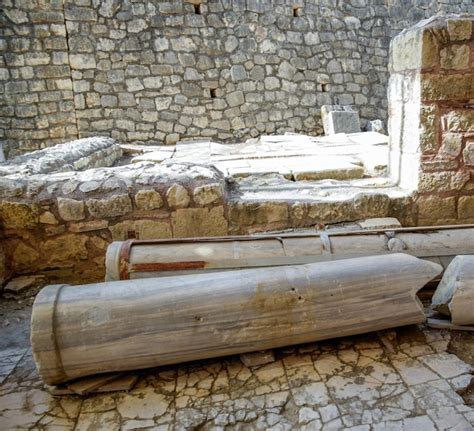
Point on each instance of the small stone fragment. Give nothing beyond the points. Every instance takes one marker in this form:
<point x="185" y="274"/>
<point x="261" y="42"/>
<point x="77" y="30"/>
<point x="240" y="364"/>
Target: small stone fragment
<point x="379" y="223"/>
<point x="253" y="359"/>
<point x="48" y="218"/>
<point x="21" y="283"/>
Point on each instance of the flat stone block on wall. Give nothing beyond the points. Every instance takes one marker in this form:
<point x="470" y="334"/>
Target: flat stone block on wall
<point x="195" y="222"/>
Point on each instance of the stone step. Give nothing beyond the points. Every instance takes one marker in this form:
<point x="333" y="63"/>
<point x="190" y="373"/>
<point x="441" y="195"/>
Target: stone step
<point x="296" y="168"/>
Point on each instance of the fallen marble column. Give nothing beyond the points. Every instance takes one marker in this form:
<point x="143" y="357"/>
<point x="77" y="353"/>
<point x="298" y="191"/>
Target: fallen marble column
<point x="78" y="331"/>
<point x="134" y="259"/>
<point x="455" y="293"/>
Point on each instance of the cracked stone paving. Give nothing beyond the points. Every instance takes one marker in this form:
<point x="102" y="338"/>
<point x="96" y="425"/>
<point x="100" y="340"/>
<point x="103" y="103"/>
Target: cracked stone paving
<point x="403" y="379"/>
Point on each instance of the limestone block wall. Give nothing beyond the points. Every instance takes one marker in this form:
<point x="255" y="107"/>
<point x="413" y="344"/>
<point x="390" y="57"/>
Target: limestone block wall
<point x="36" y="99"/>
<point x="166" y="70"/>
<point x="431" y="106"/>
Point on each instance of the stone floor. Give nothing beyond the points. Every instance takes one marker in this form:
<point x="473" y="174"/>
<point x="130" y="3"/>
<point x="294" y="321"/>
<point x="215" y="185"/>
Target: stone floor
<point x="402" y="379"/>
<point x="321" y="169"/>
<point x="295" y="157"/>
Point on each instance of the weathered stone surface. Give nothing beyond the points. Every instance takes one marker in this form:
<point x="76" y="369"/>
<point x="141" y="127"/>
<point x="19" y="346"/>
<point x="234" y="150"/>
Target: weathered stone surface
<point x="379" y="223"/>
<point x="446" y="87"/>
<point x="454" y="297"/>
<point x="22" y="283"/>
<point x="48" y="218"/>
<point x="177" y="196"/>
<point x="88" y="226"/>
<point x="247" y="214"/>
<point x="207" y="194"/>
<point x="468" y="154"/>
<point x="194" y="222"/>
<point x="24" y="256"/>
<point x="82" y="61"/>
<point x="436" y="209"/>
<point x="148" y="200"/>
<point x="339" y="119"/>
<point x="459" y="29"/>
<point x="355" y="383"/>
<point x="16" y="215"/>
<point x="71" y="209"/>
<point x="460" y="121"/>
<point x="113" y="206"/>
<point x="272" y="81"/>
<point x="455" y="57"/>
<point x="466" y="207"/>
<point x="66" y="248"/>
<point x="140" y="229"/>
<point x="452" y="143"/>
<point x="254" y="359"/>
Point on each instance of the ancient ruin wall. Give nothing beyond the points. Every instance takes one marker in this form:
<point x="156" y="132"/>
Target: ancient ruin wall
<point x="431" y="128"/>
<point x="221" y="69"/>
<point x="36" y="100"/>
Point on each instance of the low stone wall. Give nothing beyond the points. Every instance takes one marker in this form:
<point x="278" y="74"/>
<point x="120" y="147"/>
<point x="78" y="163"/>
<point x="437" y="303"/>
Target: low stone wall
<point x="432" y="117"/>
<point x="63" y="222"/>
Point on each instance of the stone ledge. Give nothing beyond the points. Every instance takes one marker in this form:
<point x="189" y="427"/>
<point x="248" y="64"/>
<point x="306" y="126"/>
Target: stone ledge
<point x="77" y="155"/>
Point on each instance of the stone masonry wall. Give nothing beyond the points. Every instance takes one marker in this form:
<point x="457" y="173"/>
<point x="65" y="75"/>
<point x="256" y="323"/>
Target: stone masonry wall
<point x="36" y="100"/>
<point x="167" y="70"/>
<point x="431" y="102"/>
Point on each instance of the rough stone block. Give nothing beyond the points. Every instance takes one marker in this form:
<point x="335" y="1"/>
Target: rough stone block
<point x="451" y="146"/>
<point x="177" y="196"/>
<point x="82" y="61"/>
<point x="468" y="154"/>
<point x="48" y="218"/>
<point x="459" y="29"/>
<point x="455" y="57"/>
<point x="459" y="121"/>
<point x="207" y="194"/>
<point x="65" y="248"/>
<point x="195" y="222"/>
<point x="148" y="200"/>
<point x="248" y="214"/>
<point x="339" y="119"/>
<point x="89" y="226"/>
<point x="16" y="215"/>
<point x="114" y="206"/>
<point x="22" y="283"/>
<point x="141" y="229"/>
<point x="446" y="87"/>
<point x="24" y="256"/>
<point x="254" y="359"/>
<point x="455" y="293"/>
<point x="466" y="207"/>
<point x="71" y="209"/>
<point x="436" y="209"/>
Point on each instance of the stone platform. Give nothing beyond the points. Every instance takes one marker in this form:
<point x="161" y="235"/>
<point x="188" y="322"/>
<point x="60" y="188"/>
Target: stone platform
<point x="295" y="157"/>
